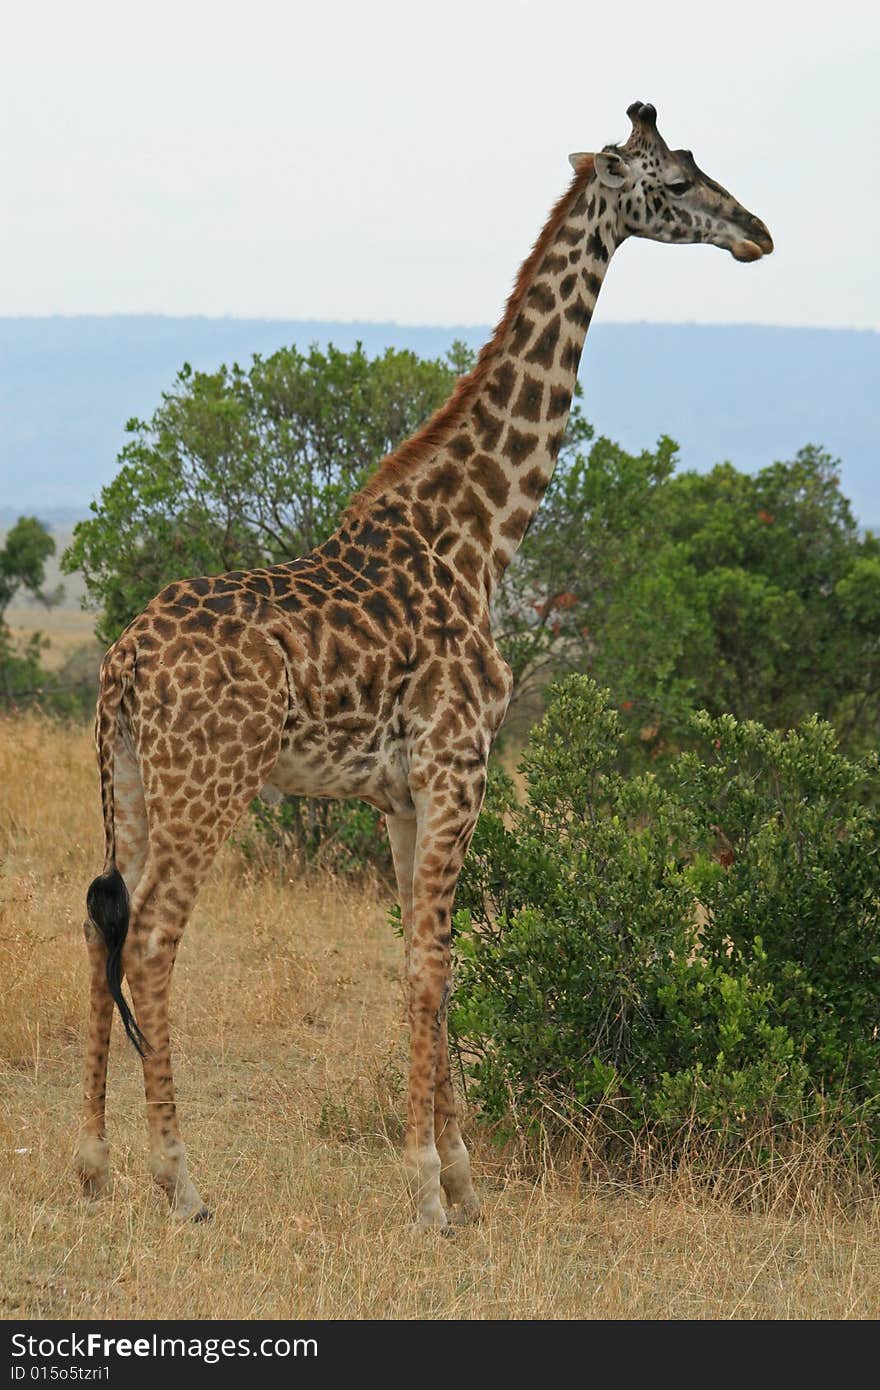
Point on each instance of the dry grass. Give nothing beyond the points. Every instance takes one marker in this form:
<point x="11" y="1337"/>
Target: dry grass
<point x="289" y="1050"/>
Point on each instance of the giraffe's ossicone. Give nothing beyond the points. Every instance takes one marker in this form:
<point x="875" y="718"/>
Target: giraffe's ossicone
<point x="365" y="669"/>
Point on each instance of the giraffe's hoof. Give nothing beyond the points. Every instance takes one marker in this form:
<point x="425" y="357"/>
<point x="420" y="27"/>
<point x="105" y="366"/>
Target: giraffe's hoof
<point x="422" y="1230"/>
<point x="465" y="1213"/>
<point x="95" y="1185"/>
<point x="434" y="1220"/>
<point x="91" y="1167"/>
<point x="188" y="1206"/>
<point x="181" y="1215"/>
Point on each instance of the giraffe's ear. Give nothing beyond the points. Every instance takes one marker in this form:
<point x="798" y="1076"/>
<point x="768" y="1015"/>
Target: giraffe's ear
<point x="612" y="169"/>
<point x="577" y="161"/>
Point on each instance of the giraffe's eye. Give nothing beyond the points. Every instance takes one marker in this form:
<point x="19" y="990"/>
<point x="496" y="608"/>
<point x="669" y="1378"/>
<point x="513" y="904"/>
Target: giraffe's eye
<point x="677" y="189"/>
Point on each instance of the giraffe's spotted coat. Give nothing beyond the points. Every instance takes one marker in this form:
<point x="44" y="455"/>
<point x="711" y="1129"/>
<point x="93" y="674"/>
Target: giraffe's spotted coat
<point x="367" y="668"/>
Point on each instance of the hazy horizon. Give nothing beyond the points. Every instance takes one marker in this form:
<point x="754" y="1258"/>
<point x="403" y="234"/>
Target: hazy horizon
<point x="474" y="327"/>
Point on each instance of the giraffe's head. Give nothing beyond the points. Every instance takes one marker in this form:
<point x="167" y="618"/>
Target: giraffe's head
<point x="662" y="194"/>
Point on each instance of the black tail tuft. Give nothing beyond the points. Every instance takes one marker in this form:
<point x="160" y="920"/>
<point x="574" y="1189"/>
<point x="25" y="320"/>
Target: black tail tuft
<point x="108" y="907"/>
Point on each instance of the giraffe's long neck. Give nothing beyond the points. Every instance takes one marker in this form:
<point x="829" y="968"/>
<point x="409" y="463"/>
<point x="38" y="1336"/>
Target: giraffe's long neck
<point x="475" y="474"/>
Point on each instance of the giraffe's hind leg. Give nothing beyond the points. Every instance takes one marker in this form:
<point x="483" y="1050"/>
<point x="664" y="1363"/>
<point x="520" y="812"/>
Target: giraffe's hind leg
<point x="191" y="811"/>
<point x="91" y="1157"/>
<point x="159" y="915"/>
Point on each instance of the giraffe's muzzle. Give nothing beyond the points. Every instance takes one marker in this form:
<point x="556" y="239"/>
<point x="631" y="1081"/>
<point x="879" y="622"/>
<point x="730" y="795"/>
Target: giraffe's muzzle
<point x="757" y="242"/>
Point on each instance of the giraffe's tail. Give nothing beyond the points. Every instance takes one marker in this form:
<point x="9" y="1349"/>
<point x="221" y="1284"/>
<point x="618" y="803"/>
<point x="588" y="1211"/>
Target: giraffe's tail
<point x="107" y="900"/>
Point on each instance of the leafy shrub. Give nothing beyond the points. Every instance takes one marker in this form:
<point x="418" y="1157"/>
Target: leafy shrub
<point x="753" y="593"/>
<point x="699" y="952"/>
<point x="26" y="684"/>
<point x="346" y="838"/>
<point x="243" y="467"/>
<point x="21" y="672"/>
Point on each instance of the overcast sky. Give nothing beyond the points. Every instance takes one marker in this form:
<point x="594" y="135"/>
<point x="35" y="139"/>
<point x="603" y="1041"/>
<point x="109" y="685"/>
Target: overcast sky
<point x="394" y="160"/>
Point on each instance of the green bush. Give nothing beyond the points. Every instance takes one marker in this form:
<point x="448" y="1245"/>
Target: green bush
<point x="702" y="952"/>
<point x="25" y="684"/>
<point x="346" y="838"/>
<point x="242" y="467"/>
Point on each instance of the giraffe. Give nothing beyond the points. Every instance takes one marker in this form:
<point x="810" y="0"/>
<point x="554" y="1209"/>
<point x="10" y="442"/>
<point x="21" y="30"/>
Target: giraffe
<point x="364" y="669"/>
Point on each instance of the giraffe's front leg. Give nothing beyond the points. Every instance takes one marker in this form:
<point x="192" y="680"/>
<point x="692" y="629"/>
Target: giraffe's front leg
<point x="455" y="1163"/>
<point x="434" y="1153"/>
<point x="421" y="1158"/>
<point x="428" y="985"/>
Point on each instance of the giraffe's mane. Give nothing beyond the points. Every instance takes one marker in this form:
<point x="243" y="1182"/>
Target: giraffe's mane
<point x="438" y="428"/>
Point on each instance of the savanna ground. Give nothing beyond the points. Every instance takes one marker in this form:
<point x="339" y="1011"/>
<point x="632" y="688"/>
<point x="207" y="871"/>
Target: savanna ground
<point x="290" y="1051"/>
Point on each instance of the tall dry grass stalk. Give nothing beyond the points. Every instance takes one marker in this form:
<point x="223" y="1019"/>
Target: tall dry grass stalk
<point x="290" y="1049"/>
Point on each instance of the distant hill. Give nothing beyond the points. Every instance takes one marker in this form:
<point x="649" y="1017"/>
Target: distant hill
<point x="739" y="392"/>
